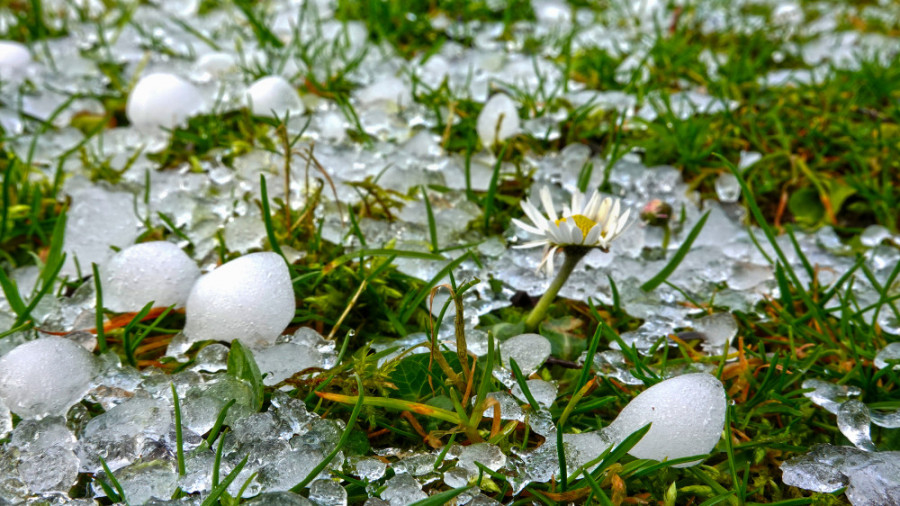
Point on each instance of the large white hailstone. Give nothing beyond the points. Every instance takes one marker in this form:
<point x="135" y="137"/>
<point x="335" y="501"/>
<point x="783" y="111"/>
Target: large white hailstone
<point x="162" y="101"/>
<point x="250" y="298"/>
<point x="273" y="96"/>
<point x="14" y="58"/>
<point x="157" y="272"/>
<point x="45" y="377"/>
<point x="498" y="120"/>
<point x="96" y="220"/>
<point x="391" y="93"/>
<point x="687" y="413"/>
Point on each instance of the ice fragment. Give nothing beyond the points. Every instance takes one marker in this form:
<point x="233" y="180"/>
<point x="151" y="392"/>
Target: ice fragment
<point x="530" y="351"/>
<point x="273" y="97"/>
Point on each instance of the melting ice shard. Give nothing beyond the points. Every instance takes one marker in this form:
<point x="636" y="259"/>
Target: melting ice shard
<point x="45" y="376"/>
<point x="872" y="478"/>
<point x="687" y="413"/>
<point x="155" y="271"/>
<point x="250" y="298"/>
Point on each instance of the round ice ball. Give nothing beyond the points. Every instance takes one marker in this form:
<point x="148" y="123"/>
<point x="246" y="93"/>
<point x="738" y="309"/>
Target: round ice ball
<point x="498" y="120"/>
<point x="687" y="413"/>
<point x="162" y="100"/>
<point x="530" y="351"/>
<point x="157" y="272"/>
<point x="14" y="57"/>
<point x="273" y="96"/>
<point x="45" y="376"/>
<point x="250" y="298"/>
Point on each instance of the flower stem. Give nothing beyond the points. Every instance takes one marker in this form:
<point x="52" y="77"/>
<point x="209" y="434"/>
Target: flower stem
<point x="572" y="255"/>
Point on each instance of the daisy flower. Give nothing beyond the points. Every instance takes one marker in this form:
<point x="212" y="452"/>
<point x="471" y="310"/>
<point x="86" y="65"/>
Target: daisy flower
<point x="584" y="223"/>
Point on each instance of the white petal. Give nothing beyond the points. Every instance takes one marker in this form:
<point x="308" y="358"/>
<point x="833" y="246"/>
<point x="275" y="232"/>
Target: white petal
<point x="533" y="214"/>
<point x="526" y="227"/>
<point x="610" y="225"/>
<point x="547" y="200"/>
<point x="577" y="201"/>
<point x="603" y="211"/>
<point x="593" y="234"/>
<point x="593" y="204"/>
<point x="530" y="244"/>
<point x="623" y="222"/>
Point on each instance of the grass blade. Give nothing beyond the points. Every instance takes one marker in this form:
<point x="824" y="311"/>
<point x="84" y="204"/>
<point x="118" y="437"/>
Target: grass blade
<point x="441" y="498"/>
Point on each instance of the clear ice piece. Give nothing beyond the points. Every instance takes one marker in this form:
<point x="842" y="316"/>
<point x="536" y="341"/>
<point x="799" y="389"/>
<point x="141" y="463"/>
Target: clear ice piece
<point x="829" y="395"/>
<point x="871" y="478"/>
<point x="530" y="351"/>
<point x="853" y="420"/>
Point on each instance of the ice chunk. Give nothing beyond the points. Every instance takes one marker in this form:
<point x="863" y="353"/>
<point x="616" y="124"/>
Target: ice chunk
<point x="853" y="420"/>
<point x="280" y="361"/>
<point x="123" y="434"/>
<point x="486" y="454"/>
<point x="889" y="352"/>
<point x="46" y="460"/>
<point x="45" y="377"/>
<point x="155" y="271"/>
<point x="530" y="351"/>
<point x="718" y="330"/>
<point x="14" y="59"/>
<point x="402" y="490"/>
<point x="687" y="413"/>
<point x="97" y="220"/>
<point x="544" y="392"/>
<point x="873" y="235"/>
<point x="498" y="120"/>
<point x="250" y="298"/>
<point x="162" y="101"/>
<point x="872" y="478"/>
<point x="279" y="499"/>
<point x="727" y="187"/>
<point x="143" y="481"/>
<point x="327" y="493"/>
<point x="6" y="424"/>
<point x="273" y="96"/>
<point x="829" y="395"/>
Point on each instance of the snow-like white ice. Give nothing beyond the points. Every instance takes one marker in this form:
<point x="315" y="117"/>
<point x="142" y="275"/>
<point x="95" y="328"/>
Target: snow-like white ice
<point x="498" y="120"/>
<point x="162" y="101"/>
<point x="274" y="97"/>
<point x="45" y="376"/>
<point x="250" y="298"/>
<point x="157" y="271"/>
<point x="687" y="415"/>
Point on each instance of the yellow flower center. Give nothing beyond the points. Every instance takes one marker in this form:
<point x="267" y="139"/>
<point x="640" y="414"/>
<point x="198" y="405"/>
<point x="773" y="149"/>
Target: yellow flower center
<point x="583" y="223"/>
